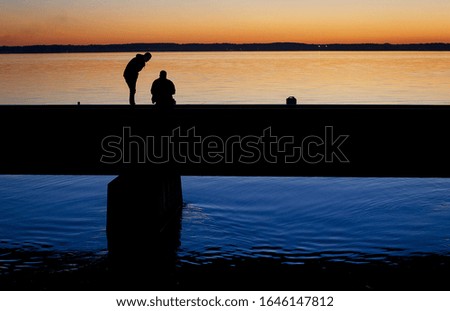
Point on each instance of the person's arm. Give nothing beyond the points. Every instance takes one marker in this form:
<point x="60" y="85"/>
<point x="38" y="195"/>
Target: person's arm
<point x="152" y="92"/>
<point x="153" y="88"/>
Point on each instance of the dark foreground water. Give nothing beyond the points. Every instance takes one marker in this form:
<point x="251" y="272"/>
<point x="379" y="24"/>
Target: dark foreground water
<point x="236" y="233"/>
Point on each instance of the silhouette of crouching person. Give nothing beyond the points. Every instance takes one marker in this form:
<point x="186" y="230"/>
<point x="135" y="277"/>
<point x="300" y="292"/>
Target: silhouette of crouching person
<point x="162" y="90"/>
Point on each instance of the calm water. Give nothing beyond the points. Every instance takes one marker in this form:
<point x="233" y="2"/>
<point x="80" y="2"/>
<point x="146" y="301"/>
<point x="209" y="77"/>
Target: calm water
<point x="233" y="77"/>
<point x="56" y="224"/>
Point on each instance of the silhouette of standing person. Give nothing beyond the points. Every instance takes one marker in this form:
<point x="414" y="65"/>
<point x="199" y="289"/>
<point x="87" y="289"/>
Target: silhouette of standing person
<point x="131" y="73"/>
<point x="162" y="91"/>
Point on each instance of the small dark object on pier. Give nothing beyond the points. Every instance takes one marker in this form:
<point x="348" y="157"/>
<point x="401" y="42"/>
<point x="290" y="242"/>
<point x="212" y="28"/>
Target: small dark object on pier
<point x="291" y="100"/>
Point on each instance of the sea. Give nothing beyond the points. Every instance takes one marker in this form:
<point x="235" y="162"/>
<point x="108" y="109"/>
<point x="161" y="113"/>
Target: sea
<point x="249" y="233"/>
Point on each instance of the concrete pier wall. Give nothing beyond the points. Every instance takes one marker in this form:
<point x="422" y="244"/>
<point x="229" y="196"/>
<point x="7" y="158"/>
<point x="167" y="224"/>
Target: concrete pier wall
<point x="251" y="140"/>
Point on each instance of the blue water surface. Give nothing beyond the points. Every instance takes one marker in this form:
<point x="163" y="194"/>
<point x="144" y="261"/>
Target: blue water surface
<point x="284" y="218"/>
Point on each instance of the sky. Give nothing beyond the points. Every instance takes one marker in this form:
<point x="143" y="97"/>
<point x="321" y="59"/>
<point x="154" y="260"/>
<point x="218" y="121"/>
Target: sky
<point x="30" y="22"/>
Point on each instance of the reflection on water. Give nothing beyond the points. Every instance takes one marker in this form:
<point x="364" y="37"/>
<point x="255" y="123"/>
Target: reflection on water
<point x="236" y="233"/>
<point x="87" y="271"/>
<point x="299" y="217"/>
<point x="232" y="77"/>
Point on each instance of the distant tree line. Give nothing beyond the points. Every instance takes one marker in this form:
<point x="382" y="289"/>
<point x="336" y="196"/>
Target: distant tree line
<point x="175" y="47"/>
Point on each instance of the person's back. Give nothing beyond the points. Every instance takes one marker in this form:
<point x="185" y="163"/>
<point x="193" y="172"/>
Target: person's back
<point x="162" y="90"/>
<point x="132" y="70"/>
<point x="136" y="64"/>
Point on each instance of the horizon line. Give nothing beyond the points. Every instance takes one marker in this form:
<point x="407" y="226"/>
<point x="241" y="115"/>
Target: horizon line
<point x="226" y="47"/>
<point x="227" y="43"/>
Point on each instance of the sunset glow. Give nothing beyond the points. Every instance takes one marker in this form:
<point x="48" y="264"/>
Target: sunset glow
<point x="27" y="22"/>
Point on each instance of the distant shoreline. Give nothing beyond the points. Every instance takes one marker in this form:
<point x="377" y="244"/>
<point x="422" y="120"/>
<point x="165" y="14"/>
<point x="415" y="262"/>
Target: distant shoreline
<point x="221" y="47"/>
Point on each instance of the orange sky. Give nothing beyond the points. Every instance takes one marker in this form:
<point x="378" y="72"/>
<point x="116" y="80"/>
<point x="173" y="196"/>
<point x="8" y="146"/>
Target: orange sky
<point x="28" y="22"/>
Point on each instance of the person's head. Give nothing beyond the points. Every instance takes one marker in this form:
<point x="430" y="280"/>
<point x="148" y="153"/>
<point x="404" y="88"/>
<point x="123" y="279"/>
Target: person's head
<point x="163" y="74"/>
<point x="147" y="56"/>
